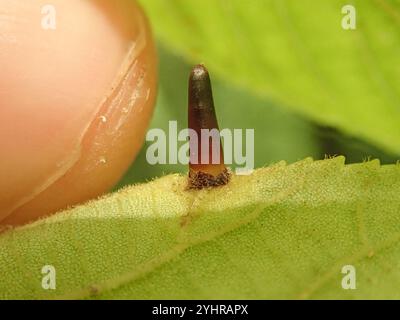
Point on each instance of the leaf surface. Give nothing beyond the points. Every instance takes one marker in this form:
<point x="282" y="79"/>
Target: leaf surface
<point x="284" y="231"/>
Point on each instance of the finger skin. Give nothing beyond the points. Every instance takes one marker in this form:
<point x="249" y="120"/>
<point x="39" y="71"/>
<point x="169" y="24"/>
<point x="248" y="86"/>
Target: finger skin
<point x="75" y="102"/>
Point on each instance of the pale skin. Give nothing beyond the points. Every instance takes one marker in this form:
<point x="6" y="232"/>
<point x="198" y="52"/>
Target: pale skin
<point x="75" y="102"/>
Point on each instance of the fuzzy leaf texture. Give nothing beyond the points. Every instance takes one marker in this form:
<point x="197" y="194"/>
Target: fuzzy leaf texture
<point x="285" y="231"/>
<point x="297" y="54"/>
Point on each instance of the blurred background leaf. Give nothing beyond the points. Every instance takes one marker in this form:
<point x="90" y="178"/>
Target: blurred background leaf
<point x="297" y="54"/>
<point x="279" y="134"/>
<point x="288" y="70"/>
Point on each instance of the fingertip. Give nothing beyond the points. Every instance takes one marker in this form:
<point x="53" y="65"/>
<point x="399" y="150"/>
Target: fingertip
<point x="77" y="124"/>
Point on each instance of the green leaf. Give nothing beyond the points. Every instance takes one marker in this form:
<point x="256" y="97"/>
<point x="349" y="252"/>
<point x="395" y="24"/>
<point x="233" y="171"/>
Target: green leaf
<point x="296" y="53"/>
<point x="282" y="232"/>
